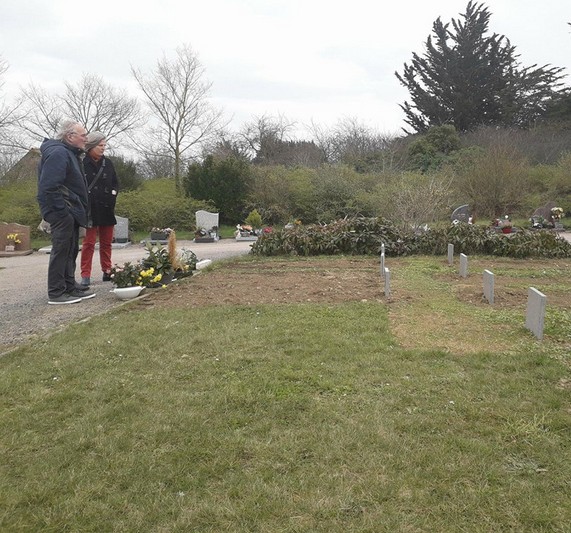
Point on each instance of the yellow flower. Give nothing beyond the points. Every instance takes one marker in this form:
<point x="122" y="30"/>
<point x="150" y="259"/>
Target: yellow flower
<point x="13" y="237"/>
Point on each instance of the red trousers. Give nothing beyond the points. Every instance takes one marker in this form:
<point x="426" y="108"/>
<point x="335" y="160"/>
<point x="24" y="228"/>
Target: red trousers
<point x="88" y="246"/>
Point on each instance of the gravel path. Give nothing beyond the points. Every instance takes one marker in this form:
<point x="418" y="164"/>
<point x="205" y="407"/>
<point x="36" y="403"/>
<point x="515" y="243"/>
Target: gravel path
<point x="25" y="313"/>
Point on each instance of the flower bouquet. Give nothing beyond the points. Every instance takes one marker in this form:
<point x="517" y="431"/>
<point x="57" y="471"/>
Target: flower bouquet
<point x="127" y="275"/>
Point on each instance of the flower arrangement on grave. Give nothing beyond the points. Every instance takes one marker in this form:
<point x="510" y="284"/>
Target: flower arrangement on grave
<point x="165" y="231"/>
<point x="160" y="234"/>
<point x="148" y="278"/>
<point x="557" y="213"/>
<point x="127" y="275"/>
<point x="158" y="258"/>
<point x="13" y="238"/>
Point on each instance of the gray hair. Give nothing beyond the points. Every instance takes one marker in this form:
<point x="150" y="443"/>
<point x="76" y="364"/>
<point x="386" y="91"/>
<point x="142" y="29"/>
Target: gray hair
<point x="67" y="127"/>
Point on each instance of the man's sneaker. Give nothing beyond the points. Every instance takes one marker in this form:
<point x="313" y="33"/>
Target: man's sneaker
<point x="85" y="282"/>
<point x="64" y="299"/>
<point x="106" y="276"/>
<point x="82" y="295"/>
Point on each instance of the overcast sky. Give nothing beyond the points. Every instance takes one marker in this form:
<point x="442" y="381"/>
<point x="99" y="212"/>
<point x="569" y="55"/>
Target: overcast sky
<point x="308" y="60"/>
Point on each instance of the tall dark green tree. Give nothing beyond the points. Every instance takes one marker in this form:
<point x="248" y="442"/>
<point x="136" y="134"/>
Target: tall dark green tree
<point x="224" y="182"/>
<point x="469" y="78"/>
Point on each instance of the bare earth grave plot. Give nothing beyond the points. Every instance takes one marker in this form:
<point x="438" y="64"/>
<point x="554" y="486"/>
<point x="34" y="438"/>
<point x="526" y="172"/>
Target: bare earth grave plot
<point x="417" y="319"/>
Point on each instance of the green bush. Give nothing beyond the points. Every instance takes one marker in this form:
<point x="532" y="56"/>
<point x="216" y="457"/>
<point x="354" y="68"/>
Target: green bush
<point x="156" y="204"/>
<point x="353" y="236"/>
<point x="364" y="236"/>
<point x="18" y="204"/>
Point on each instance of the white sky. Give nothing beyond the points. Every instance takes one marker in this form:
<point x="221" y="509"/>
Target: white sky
<point x="308" y="60"/>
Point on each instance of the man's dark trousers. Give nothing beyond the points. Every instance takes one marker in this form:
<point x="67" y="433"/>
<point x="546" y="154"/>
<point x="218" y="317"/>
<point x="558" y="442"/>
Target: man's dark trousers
<point x="65" y="245"/>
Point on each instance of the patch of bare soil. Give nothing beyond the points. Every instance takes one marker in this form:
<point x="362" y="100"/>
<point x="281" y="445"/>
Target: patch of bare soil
<point x="319" y="280"/>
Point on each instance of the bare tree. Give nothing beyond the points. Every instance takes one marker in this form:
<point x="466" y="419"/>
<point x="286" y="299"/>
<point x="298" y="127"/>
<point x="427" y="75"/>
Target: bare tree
<point x="101" y="107"/>
<point x="8" y="113"/>
<point x="94" y="103"/>
<point x="262" y="135"/>
<point x="353" y="143"/>
<point x="42" y="114"/>
<point x="178" y="97"/>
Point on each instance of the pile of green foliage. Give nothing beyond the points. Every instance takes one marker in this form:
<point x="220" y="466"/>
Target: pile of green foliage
<point x="364" y="236"/>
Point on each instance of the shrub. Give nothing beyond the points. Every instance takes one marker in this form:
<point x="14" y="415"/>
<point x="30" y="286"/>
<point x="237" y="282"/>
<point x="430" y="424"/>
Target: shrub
<point x="156" y="204"/>
<point x="364" y="236"/>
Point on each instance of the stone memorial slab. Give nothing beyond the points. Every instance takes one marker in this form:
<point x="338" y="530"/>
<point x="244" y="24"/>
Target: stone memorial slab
<point x="382" y="264"/>
<point x="450" y="254"/>
<point x="10" y="247"/>
<point x="535" y="313"/>
<point x="461" y="214"/>
<point x="489" y="286"/>
<point x="122" y="230"/>
<point x="206" y="226"/>
<point x="463" y="265"/>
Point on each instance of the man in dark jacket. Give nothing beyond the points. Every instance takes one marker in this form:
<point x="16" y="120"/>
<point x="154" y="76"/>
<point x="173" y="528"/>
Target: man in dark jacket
<point x="62" y="195"/>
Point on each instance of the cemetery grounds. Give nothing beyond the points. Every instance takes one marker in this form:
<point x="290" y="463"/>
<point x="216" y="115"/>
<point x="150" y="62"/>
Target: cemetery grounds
<point x="291" y="395"/>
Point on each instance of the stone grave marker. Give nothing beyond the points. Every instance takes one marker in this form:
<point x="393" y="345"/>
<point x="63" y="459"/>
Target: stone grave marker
<point x="23" y="232"/>
<point x="464" y="265"/>
<point x="535" y="313"/>
<point x="122" y="230"/>
<point x="450" y="254"/>
<point x="489" y="286"/>
<point x="206" y="226"/>
<point x="461" y="214"/>
<point x="387" y="283"/>
<point x="382" y="264"/>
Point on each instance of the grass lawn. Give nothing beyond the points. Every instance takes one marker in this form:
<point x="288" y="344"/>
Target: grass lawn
<point x="300" y="417"/>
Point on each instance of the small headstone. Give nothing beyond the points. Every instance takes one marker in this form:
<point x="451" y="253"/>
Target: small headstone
<point x="463" y="265"/>
<point x="206" y="226"/>
<point x="544" y="211"/>
<point x="382" y="264"/>
<point x="489" y="286"/>
<point x="450" y="254"/>
<point x="461" y="214"/>
<point x="122" y="229"/>
<point x="535" y="314"/>
<point x="387" y="283"/>
<point x="23" y="233"/>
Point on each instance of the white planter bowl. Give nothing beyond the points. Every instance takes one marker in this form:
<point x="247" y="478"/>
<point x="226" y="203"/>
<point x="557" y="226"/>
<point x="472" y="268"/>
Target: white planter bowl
<point x="127" y="293"/>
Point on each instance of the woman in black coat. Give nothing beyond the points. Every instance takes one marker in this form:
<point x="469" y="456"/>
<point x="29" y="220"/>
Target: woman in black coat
<point x="103" y="188"/>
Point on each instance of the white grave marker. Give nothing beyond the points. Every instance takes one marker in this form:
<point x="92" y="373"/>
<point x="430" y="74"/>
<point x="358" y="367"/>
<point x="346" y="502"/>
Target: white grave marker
<point x="382" y="264"/>
<point x="450" y="254"/>
<point x="489" y="286"/>
<point x="535" y="314"/>
<point x="387" y="283"/>
<point x="463" y="265"/>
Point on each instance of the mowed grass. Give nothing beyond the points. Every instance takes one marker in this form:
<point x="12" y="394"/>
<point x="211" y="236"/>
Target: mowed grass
<point x="285" y="418"/>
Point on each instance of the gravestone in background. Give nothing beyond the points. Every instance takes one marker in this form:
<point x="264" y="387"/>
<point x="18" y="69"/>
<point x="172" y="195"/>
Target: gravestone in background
<point x="122" y="230"/>
<point x="206" y="226"/>
<point x="544" y="211"/>
<point x="23" y="248"/>
<point x="462" y="214"/>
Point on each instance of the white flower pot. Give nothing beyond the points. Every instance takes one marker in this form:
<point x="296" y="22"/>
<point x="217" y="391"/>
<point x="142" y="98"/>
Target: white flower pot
<point x="127" y="293"/>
